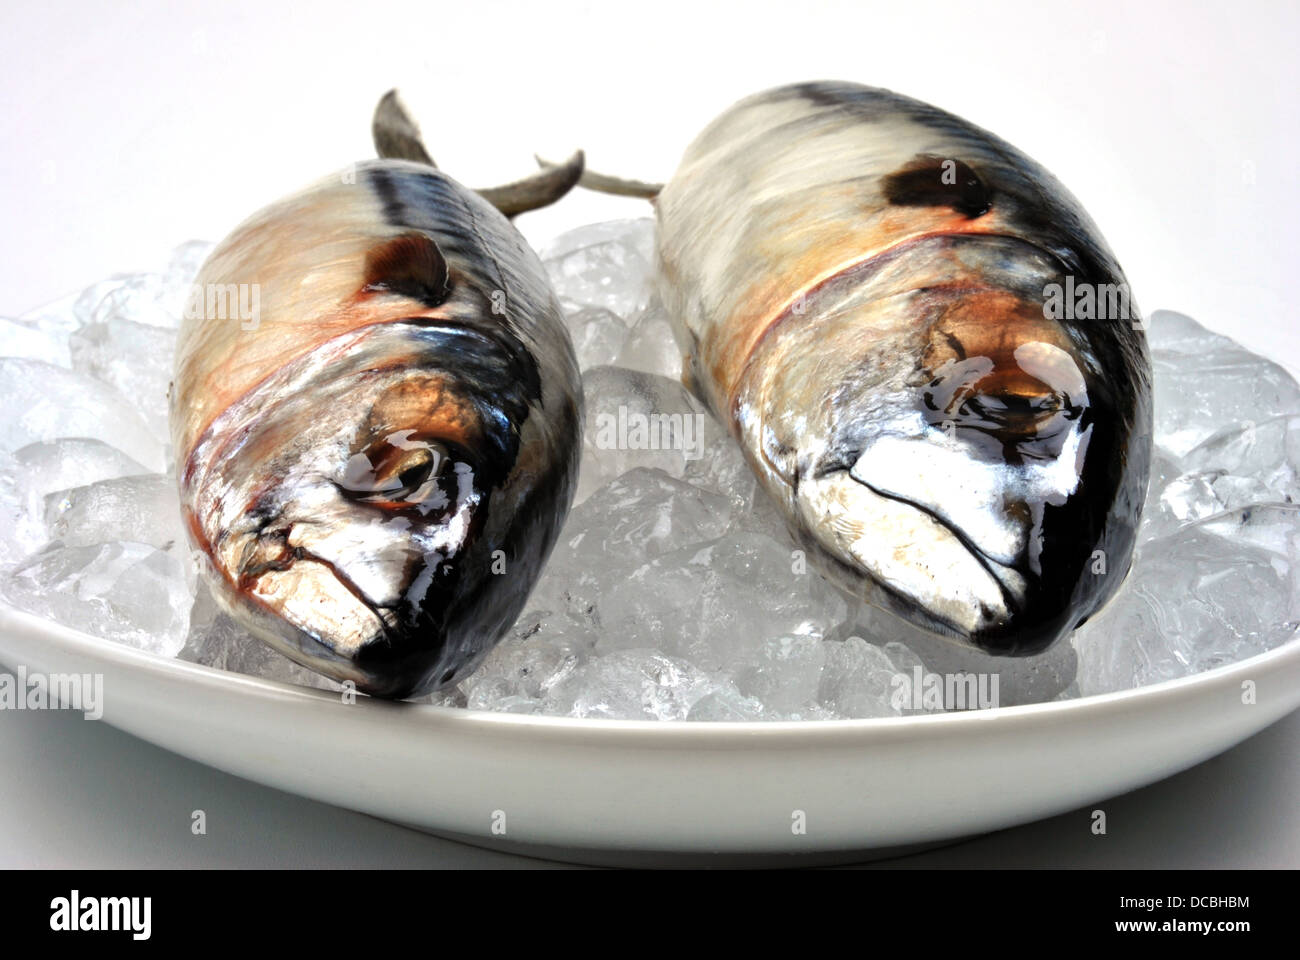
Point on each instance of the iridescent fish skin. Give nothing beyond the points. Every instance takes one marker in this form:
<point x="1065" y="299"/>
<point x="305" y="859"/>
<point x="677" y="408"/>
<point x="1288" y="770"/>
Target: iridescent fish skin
<point x="375" y="467"/>
<point x="865" y="291"/>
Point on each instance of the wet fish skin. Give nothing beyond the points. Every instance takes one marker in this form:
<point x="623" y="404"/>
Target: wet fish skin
<point x="860" y="286"/>
<point x="375" y="470"/>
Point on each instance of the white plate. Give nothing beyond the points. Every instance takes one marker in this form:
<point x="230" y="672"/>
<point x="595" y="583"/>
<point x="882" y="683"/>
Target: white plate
<point x="609" y="790"/>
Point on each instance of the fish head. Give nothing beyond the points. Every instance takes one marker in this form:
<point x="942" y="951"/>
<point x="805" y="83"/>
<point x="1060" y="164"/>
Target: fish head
<point x="955" y="456"/>
<point x="369" y="522"/>
<point x="378" y="508"/>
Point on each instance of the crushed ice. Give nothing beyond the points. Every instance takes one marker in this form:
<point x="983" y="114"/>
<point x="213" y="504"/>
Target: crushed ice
<point x="673" y="593"/>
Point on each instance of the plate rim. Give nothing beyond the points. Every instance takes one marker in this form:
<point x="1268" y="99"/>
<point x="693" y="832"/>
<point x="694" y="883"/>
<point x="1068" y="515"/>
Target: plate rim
<point x="174" y="669"/>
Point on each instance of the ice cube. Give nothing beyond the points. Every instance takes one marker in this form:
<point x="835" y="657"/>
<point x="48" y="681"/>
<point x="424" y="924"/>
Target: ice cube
<point x="142" y="509"/>
<point x="22" y="528"/>
<point x="1205" y="383"/>
<point x="859" y="679"/>
<point x="523" y="668"/>
<point x="630" y="685"/>
<point x="642" y="514"/>
<point x="57" y="319"/>
<point x="139" y="297"/>
<point x="27" y="339"/>
<point x="656" y="604"/>
<point x="597" y="335"/>
<point x="136" y="358"/>
<point x="717" y="603"/>
<point x="638" y="419"/>
<point x="650" y="345"/>
<point x="48" y="402"/>
<point x="1236" y="467"/>
<point x="1188" y="498"/>
<point x="623" y="526"/>
<point x="131" y="593"/>
<point x="34" y="471"/>
<point x="603" y="265"/>
<point x="783" y="673"/>
<point x="759" y="587"/>
<point x="1217" y="591"/>
<point x="722" y="467"/>
<point x="72" y="462"/>
<point x="727" y="704"/>
<point x="1266" y="450"/>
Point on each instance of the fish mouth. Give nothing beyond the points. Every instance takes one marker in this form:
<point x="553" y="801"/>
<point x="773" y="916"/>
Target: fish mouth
<point x="1010" y="581"/>
<point x="310" y="609"/>
<point x="913" y="561"/>
<point x="322" y="611"/>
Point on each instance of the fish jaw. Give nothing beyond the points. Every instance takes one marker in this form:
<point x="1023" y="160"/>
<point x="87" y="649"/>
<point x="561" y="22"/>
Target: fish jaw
<point x="897" y="556"/>
<point x="912" y="561"/>
<point x="318" y="552"/>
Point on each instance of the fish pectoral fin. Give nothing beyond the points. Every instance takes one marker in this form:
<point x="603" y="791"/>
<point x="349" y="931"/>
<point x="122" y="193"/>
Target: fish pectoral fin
<point x="617" y="186"/>
<point x="539" y="190"/>
<point x="410" y="265"/>
<point x="395" y="134"/>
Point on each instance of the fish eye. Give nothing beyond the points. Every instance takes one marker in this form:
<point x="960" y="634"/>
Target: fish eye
<point x="1032" y="401"/>
<point x="1012" y="410"/>
<point x="1013" y="415"/>
<point x="401" y="469"/>
<point x="411" y="472"/>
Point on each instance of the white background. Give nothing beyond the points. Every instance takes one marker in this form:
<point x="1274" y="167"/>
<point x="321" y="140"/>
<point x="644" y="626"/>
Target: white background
<point x="130" y="128"/>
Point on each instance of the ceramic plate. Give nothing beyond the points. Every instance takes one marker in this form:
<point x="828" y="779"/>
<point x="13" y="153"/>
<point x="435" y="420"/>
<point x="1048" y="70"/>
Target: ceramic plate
<point x="618" y="791"/>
